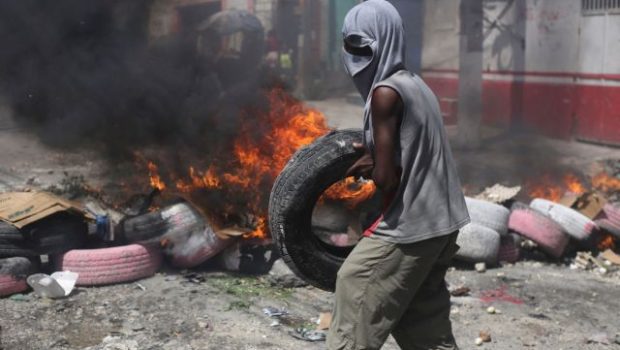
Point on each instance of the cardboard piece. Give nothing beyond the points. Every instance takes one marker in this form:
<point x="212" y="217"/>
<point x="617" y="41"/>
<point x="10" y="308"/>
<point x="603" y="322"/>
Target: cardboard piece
<point x="590" y="204"/>
<point x="231" y="232"/>
<point x="610" y="256"/>
<point x="569" y="199"/>
<point x="325" y="320"/>
<point x="23" y="208"/>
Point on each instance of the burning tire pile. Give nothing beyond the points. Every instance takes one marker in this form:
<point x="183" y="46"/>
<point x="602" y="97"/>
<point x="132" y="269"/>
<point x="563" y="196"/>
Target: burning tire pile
<point x="177" y="232"/>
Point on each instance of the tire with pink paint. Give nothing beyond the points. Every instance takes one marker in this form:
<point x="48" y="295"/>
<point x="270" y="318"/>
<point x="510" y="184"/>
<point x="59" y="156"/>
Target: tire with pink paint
<point x="111" y="265"/>
<point x="488" y="214"/>
<point x="477" y="243"/>
<point x="611" y="212"/>
<point x="509" y="250"/>
<point x="13" y="274"/>
<point x="606" y="225"/>
<point x="572" y="222"/>
<point x="544" y="231"/>
<point x="172" y="222"/>
<point x="199" y="247"/>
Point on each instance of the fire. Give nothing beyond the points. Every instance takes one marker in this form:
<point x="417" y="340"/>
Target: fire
<point x="264" y="144"/>
<point x="350" y="191"/>
<point x="607" y="242"/>
<point x="548" y="188"/>
<point x="156" y="181"/>
<point x="573" y="184"/>
<point x="606" y="183"/>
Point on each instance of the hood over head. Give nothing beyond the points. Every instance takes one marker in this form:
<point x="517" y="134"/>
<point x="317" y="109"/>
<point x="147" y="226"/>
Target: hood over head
<point x="377" y="25"/>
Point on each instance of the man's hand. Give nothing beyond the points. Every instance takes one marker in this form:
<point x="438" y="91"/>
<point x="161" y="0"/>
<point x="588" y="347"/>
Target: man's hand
<point x="362" y="167"/>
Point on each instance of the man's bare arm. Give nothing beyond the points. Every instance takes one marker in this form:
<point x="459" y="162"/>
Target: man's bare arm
<point x="387" y="108"/>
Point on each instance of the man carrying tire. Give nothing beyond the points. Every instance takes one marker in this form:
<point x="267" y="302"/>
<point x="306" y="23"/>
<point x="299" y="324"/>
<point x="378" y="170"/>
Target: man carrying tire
<point x="393" y="281"/>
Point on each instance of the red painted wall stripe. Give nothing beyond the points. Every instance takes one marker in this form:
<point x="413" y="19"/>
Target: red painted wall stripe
<point x="559" y="110"/>
<point x="592" y="76"/>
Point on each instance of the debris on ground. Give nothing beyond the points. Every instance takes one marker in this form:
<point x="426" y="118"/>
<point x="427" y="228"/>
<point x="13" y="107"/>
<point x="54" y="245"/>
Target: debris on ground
<point x="308" y="334"/>
<point x="54" y="286"/>
<point x="460" y="291"/>
<point x="499" y="193"/>
<point x="485" y="336"/>
<point x="324" y="321"/>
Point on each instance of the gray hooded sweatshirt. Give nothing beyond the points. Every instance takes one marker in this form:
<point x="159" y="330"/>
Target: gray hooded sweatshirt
<point x="429" y="201"/>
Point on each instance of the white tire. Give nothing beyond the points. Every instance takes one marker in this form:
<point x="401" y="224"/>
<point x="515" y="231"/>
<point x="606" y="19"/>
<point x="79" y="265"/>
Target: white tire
<point x="478" y="244"/>
<point x="490" y="215"/>
<point x="575" y="224"/>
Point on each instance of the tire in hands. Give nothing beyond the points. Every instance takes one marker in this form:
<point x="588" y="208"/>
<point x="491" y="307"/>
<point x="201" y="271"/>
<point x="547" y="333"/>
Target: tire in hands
<point x="307" y="175"/>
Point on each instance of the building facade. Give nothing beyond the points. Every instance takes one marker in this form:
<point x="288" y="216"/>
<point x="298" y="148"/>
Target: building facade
<point x="551" y="65"/>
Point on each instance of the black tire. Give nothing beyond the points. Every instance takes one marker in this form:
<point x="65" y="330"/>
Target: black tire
<point x="10" y="249"/>
<point x="17" y="267"/>
<point x="177" y="219"/>
<point x="9" y="232"/>
<point x="57" y="234"/>
<point x="296" y="190"/>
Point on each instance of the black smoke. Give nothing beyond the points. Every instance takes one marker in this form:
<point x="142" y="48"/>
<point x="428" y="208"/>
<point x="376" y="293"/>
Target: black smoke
<point x="85" y="73"/>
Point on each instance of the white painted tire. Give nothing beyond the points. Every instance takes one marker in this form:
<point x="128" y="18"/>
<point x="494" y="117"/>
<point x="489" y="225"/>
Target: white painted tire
<point x="478" y="244"/>
<point x="575" y="224"/>
<point x="490" y="215"/>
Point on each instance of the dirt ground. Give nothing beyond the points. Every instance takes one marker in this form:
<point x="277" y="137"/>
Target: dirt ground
<point x="542" y="305"/>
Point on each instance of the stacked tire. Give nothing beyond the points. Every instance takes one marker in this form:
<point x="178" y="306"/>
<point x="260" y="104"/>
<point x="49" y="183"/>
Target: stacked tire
<point x="480" y="241"/>
<point x="542" y="230"/>
<point x="609" y="219"/>
<point x="573" y="223"/>
<point x="13" y="274"/>
<point x="111" y="265"/>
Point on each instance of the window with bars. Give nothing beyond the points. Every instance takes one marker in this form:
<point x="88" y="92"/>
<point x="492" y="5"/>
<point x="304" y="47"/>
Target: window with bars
<point x="600" y="7"/>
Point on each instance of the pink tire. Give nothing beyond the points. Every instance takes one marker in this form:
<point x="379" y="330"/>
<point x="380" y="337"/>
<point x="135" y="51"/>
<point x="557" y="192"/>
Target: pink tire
<point x="611" y="212"/>
<point x="13" y="274"/>
<point x="197" y="249"/>
<point x="573" y="223"/>
<point x="541" y="229"/>
<point x="509" y="250"/>
<point x="111" y="265"/>
<point x="608" y="226"/>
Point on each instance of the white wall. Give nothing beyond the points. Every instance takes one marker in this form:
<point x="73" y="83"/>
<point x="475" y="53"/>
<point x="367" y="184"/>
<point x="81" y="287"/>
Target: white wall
<point x="441" y="35"/>
<point x="558" y="37"/>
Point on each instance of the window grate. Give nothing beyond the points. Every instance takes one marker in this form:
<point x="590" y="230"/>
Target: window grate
<point x="600" y="7"/>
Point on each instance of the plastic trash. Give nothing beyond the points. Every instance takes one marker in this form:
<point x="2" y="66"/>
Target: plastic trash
<point x="58" y="285"/>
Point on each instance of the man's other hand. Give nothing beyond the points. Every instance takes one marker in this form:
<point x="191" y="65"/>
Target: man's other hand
<point x="362" y="167"/>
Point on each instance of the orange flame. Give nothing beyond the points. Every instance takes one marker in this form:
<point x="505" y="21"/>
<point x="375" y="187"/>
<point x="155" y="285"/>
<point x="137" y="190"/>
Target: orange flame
<point x="604" y="182"/>
<point x="573" y="184"/>
<point x="155" y="179"/>
<point x="548" y="188"/>
<point x="350" y="191"/>
<point x="256" y="161"/>
<point x="607" y="242"/>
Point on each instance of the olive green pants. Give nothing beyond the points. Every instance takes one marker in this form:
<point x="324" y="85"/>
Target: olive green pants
<point x="385" y="288"/>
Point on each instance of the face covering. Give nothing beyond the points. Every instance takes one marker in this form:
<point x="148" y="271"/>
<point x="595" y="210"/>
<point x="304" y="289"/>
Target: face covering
<point x="361" y="69"/>
<point x="373" y="24"/>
